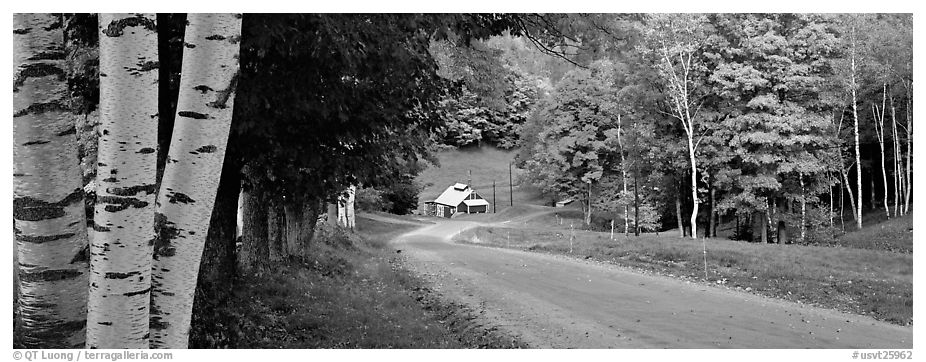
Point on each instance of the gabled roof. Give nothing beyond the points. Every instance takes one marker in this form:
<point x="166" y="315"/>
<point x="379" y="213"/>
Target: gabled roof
<point x="476" y="202"/>
<point x="454" y="195"/>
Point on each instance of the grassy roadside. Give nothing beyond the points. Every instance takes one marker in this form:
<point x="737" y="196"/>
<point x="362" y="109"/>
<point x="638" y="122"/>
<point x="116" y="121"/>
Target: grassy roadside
<point x="354" y="293"/>
<point x="871" y="282"/>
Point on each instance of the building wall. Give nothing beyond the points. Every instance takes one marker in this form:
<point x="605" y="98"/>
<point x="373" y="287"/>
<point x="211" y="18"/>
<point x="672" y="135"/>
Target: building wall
<point x="478" y="209"/>
<point x="435" y="209"/>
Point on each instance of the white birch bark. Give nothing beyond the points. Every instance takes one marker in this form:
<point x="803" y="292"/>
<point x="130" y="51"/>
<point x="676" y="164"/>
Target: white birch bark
<point x="349" y="207"/>
<point x="48" y="209"/>
<point x="620" y="147"/>
<point x="858" y="156"/>
<point x="120" y="247"/>
<point x="845" y="178"/>
<point x="879" y="130"/>
<point x="676" y="43"/>
<point x="909" y="186"/>
<point x="191" y="177"/>
<point x="898" y="176"/>
<point x="342" y="210"/>
<point x="829" y="176"/>
<point x="679" y="93"/>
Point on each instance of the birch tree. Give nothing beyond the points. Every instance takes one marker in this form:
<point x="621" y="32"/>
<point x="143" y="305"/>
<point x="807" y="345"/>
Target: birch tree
<point x="191" y="176"/>
<point x="878" y="113"/>
<point x="349" y="212"/>
<point x="48" y="206"/>
<point x="673" y="41"/>
<point x="850" y="72"/>
<point x="120" y="249"/>
<point x="624" y="192"/>
<point x="899" y="177"/>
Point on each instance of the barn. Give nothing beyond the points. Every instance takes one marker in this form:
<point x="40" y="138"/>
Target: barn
<point x="459" y="198"/>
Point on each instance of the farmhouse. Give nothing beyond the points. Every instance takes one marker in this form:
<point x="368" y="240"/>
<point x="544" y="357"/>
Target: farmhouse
<point x="459" y="198"/>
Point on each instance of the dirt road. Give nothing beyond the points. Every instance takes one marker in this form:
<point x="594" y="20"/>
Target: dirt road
<point x="558" y="302"/>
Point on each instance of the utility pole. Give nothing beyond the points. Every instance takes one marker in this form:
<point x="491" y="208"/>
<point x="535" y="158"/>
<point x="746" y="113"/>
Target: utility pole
<point x="494" y="200"/>
<point x="510" y="191"/>
<point x="470" y="182"/>
<point x="636" y="203"/>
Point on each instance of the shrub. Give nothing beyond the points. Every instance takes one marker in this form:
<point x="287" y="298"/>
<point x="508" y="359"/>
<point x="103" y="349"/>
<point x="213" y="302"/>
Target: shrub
<point x="401" y="197"/>
<point x="370" y="199"/>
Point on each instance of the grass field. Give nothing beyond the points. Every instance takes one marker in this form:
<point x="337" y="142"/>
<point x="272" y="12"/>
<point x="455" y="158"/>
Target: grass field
<point x="893" y="235"/>
<point x="353" y="293"/>
<point x="487" y="164"/>
<point x="871" y="282"/>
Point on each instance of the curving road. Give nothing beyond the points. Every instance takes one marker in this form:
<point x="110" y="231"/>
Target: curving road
<point x="558" y="302"/>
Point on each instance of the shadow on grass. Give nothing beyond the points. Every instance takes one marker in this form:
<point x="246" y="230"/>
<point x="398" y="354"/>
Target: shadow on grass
<point x="352" y="293"/>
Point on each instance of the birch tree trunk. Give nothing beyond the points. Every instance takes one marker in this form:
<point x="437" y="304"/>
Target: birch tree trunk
<point x="858" y="156"/>
<point x="349" y="211"/>
<point x="879" y="130"/>
<point x="680" y="78"/>
<point x="620" y="147"/>
<point x="855" y="215"/>
<point x="49" y="219"/>
<point x="898" y="163"/>
<point x="120" y="248"/>
<point x="342" y="210"/>
<point x="829" y="176"/>
<point x="842" y="208"/>
<point x="191" y="176"/>
<point x="694" y="179"/>
<point x="909" y="129"/>
<point x="678" y="215"/>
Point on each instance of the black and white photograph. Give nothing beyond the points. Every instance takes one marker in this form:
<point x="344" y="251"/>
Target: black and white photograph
<point x="461" y="180"/>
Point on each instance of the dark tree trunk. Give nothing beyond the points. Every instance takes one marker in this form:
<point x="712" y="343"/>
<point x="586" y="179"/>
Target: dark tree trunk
<point x="782" y="233"/>
<point x="710" y="230"/>
<point x="636" y="206"/>
<point x="332" y="213"/>
<point x="736" y="233"/>
<point x="310" y="210"/>
<point x="217" y="267"/>
<point x="588" y="203"/>
<point x="292" y="214"/>
<point x="301" y="217"/>
<point x="275" y="229"/>
<point x="255" y="251"/>
<point x="171" y="28"/>
<point x="761" y="229"/>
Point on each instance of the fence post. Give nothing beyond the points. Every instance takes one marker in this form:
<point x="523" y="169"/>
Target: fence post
<point x="612" y="229"/>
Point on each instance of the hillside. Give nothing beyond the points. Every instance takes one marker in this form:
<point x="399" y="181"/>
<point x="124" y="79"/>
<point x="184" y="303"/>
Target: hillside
<point x="487" y="164"/>
<point x="895" y="234"/>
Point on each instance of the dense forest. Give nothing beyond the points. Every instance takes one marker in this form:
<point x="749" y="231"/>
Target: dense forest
<point x="781" y="123"/>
